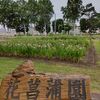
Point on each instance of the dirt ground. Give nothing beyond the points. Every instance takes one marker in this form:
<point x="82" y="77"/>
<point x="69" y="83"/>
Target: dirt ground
<point x="95" y="96"/>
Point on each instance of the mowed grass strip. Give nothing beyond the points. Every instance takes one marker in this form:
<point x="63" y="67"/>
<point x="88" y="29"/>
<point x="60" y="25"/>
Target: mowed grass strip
<point x="7" y="65"/>
<point x="97" y="46"/>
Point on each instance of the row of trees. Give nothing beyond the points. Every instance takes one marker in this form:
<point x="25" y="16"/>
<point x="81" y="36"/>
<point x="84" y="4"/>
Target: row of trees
<point x="61" y="26"/>
<point x="18" y="14"/>
<point x="75" y="11"/>
<point x="72" y="12"/>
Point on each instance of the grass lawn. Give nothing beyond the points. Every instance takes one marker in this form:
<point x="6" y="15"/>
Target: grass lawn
<point x="97" y="36"/>
<point x="97" y="45"/>
<point x="8" y="64"/>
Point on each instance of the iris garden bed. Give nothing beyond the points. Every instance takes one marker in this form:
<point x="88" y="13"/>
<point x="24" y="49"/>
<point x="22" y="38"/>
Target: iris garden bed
<point x="51" y="47"/>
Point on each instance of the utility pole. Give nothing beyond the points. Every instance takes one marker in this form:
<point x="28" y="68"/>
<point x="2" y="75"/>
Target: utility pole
<point x="55" y="23"/>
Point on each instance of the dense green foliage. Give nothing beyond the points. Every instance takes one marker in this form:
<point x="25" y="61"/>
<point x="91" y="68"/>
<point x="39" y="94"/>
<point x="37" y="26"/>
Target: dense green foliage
<point x="92" y="24"/>
<point x="83" y="24"/>
<point x="92" y="21"/>
<point x="45" y="12"/>
<point x="67" y="27"/>
<point x="59" y="47"/>
<point x="18" y="14"/>
<point x="58" y="25"/>
<point x="73" y="10"/>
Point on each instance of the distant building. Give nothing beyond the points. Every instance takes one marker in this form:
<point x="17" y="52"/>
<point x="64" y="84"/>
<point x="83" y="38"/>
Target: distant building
<point x="6" y="31"/>
<point x="11" y="32"/>
<point x="32" y="30"/>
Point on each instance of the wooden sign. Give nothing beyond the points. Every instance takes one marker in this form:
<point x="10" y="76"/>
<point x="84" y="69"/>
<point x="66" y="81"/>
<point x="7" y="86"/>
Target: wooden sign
<point x="44" y="87"/>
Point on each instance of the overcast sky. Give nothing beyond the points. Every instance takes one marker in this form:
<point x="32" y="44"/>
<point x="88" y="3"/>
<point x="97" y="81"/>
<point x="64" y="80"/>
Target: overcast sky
<point x="59" y="3"/>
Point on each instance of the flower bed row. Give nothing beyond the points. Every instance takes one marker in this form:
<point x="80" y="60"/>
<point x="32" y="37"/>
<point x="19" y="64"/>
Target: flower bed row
<point x="72" y="48"/>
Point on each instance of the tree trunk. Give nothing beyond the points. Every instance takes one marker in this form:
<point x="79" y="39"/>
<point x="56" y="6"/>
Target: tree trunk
<point x="74" y="28"/>
<point x="68" y="32"/>
<point x="45" y="32"/>
<point x="24" y="30"/>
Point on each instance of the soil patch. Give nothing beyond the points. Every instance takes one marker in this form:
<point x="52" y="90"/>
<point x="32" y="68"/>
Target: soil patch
<point x="95" y="96"/>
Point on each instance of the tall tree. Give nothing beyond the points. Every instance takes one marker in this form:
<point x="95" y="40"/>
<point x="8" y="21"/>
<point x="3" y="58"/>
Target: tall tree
<point x="5" y="10"/>
<point x="45" y="12"/>
<point x="72" y="11"/>
<point x="90" y="12"/>
<point x="32" y="9"/>
<point x="24" y="14"/>
<point x="13" y="13"/>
